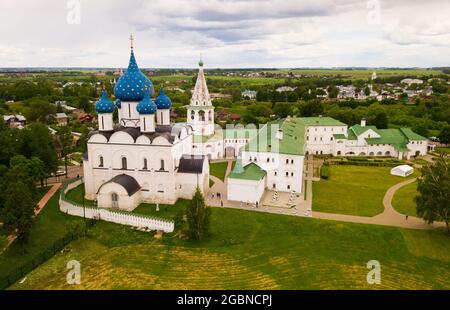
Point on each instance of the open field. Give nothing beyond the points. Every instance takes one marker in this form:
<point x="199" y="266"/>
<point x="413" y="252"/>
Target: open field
<point x="361" y="73"/>
<point x="403" y="200"/>
<point x="354" y="190"/>
<point x="218" y="169"/>
<point x="267" y="252"/>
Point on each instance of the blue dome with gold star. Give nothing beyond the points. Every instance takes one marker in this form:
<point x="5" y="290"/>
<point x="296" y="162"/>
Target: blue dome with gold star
<point x="104" y="105"/>
<point x="118" y="103"/>
<point x="131" y="85"/>
<point x="162" y="101"/>
<point x="146" y="106"/>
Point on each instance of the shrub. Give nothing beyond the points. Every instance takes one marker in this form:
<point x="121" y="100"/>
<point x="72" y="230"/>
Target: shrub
<point x="325" y="172"/>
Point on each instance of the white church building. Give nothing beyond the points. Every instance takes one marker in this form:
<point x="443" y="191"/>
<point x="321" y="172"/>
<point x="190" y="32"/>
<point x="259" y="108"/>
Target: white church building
<point x="144" y="157"/>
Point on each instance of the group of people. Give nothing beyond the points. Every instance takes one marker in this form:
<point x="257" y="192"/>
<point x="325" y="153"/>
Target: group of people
<point x="218" y="195"/>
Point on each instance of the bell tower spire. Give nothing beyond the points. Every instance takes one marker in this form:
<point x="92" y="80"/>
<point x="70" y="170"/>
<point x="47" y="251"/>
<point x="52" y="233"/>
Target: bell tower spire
<point x="201" y="111"/>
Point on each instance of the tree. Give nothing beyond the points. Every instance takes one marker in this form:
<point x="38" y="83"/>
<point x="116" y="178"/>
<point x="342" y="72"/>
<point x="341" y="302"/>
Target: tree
<point x="333" y="91"/>
<point x="37" y="141"/>
<point x="198" y="217"/>
<point x="434" y="192"/>
<point x="282" y="110"/>
<point x="444" y="136"/>
<point x="33" y="168"/>
<point x="381" y="120"/>
<point x="18" y="208"/>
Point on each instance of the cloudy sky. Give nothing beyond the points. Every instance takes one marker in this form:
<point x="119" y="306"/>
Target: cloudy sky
<point x="229" y="33"/>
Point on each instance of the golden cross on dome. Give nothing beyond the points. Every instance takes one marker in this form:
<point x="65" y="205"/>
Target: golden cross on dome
<point x="131" y="40"/>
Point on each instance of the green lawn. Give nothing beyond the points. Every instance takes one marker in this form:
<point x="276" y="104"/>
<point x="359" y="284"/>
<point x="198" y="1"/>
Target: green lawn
<point x="76" y="195"/>
<point x="165" y="211"/>
<point x="443" y="150"/>
<point x="353" y="190"/>
<point x="218" y="169"/>
<point x="252" y="250"/>
<point x="403" y="200"/>
<point x="50" y="225"/>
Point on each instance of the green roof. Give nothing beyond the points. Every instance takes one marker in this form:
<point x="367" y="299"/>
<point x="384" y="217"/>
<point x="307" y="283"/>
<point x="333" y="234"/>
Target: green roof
<point x="351" y="135"/>
<point x="390" y="136"/>
<point x="320" y="121"/>
<point x="293" y="141"/>
<point x="359" y="130"/>
<point x="339" y="136"/>
<point x="411" y="135"/>
<point x="251" y="172"/>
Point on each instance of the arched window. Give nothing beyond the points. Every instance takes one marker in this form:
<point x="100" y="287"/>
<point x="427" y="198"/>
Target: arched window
<point x="192" y="114"/>
<point x="100" y="161"/>
<point x="145" y="164"/>
<point x="124" y="163"/>
<point x="201" y="115"/>
<point x="210" y="115"/>
<point x="162" y="165"/>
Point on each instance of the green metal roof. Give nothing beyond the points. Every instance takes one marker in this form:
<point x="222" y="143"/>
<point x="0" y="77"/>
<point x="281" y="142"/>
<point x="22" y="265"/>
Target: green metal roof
<point x="251" y="172"/>
<point x="320" y="121"/>
<point x="339" y="136"/>
<point x="411" y="135"/>
<point x="390" y="136"/>
<point x="293" y="141"/>
<point x="359" y="130"/>
<point x="351" y="135"/>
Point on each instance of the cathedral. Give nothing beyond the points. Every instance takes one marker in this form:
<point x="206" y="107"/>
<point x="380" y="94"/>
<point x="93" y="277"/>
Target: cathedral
<point x="145" y="157"/>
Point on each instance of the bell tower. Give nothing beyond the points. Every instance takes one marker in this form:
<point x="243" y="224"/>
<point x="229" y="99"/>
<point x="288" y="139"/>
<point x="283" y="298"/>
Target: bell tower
<point x="200" y="113"/>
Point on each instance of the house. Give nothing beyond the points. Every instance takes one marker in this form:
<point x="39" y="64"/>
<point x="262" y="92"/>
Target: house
<point x="283" y="89"/>
<point x="61" y="119"/>
<point x="346" y="92"/>
<point x="409" y="82"/>
<point x="249" y="94"/>
<point x="15" y="121"/>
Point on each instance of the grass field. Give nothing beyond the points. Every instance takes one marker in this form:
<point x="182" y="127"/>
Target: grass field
<point x="218" y="169"/>
<point x="165" y="211"/>
<point x="353" y="190"/>
<point x="76" y="195"/>
<point x="403" y="200"/>
<point x="252" y="250"/>
<point x="361" y="73"/>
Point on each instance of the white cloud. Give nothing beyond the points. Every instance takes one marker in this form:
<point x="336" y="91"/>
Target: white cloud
<point x="240" y="33"/>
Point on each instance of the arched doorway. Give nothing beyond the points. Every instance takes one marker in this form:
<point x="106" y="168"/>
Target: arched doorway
<point x="115" y="200"/>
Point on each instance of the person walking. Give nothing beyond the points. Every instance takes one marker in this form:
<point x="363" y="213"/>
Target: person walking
<point x="221" y="203"/>
<point x="407" y="216"/>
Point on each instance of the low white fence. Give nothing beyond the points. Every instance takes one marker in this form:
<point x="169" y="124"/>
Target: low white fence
<point x="119" y="217"/>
